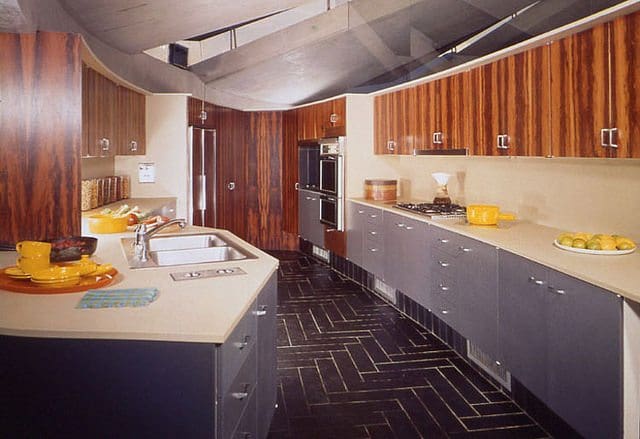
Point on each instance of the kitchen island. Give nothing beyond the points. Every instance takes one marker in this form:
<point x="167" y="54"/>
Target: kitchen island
<point x="198" y="361"/>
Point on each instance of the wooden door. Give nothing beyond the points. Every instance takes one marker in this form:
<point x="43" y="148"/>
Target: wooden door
<point x="579" y="93"/>
<point x="130" y="127"/>
<point x="307" y="122"/>
<point x="99" y="114"/>
<point x="383" y="113"/>
<point x="625" y="80"/>
<point x="524" y="105"/>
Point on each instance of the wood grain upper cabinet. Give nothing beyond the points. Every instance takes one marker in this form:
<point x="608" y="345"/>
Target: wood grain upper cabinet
<point x="595" y="90"/>
<point x="442" y="116"/>
<point x="579" y="94"/>
<point x="307" y="122"/>
<point x="625" y="80"/>
<point x="510" y="103"/>
<point x="332" y="118"/>
<point x="395" y="122"/>
<point x="99" y="96"/>
<point x="130" y="122"/>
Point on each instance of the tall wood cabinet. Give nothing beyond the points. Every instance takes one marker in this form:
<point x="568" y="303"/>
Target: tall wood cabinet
<point x="325" y="119"/>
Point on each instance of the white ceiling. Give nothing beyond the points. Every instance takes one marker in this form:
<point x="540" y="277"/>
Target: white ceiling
<point x="355" y="46"/>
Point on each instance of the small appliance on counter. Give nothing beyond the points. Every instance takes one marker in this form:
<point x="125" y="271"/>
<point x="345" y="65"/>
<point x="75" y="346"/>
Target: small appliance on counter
<point x="442" y="193"/>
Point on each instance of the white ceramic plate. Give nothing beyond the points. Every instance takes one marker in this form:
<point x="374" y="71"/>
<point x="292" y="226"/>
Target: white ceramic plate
<point x="594" y="252"/>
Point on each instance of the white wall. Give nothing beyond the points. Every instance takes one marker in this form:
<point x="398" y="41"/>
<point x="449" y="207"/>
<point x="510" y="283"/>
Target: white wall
<point x="166" y="147"/>
<point x="591" y="195"/>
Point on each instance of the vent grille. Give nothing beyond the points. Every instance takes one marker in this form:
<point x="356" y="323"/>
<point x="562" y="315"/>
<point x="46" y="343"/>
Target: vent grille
<point x="320" y="253"/>
<point x="387" y="292"/>
<point x="495" y="370"/>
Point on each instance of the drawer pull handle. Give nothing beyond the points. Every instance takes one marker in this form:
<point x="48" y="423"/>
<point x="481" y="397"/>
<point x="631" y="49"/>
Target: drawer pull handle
<point x="373" y="215"/>
<point x="444" y="287"/>
<point x="443" y="264"/>
<point x="464" y="249"/>
<point x="409" y="228"/>
<point x="243" y="344"/>
<point x="556" y="290"/>
<point x="445" y="311"/>
<point x="361" y="211"/>
<point x="261" y="312"/>
<point x="373" y="249"/>
<point x="239" y="395"/>
<point x="443" y="241"/>
<point x="536" y="281"/>
<point x="374" y="233"/>
<point x="401" y="225"/>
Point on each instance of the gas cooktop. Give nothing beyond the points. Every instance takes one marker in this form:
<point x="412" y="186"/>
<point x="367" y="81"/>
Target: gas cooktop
<point x="435" y="211"/>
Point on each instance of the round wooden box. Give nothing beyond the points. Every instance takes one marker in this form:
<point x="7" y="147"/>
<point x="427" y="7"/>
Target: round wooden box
<point x="380" y="190"/>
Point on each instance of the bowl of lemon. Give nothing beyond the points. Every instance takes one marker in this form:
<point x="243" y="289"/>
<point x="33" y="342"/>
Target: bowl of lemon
<point x="595" y="244"/>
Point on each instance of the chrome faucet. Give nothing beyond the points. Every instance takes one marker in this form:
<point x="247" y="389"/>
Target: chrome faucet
<point x="143" y="234"/>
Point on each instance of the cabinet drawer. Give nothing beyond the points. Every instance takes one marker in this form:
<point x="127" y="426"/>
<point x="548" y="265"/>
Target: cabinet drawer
<point x="444" y="288"/>
<point x="236" y="349"/>
<point x="237" y="398"/>
<point x="444" y="264"/>
<point x="444" y="241"/>
<point x="246" y="428"/>
<point x="374" y="232"/>
<point x="446" y="311"/>
<point x="373" y="215"/>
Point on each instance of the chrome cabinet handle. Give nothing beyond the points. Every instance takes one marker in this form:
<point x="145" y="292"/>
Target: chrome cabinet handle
<point x="373" y="215"/>
<point x="231" y="185"/>
<point x="409" y="228"/>
<point x="603" y="141"/>
<point x="242" y="395"/>
<point x="262" y="311"/>
<point x="443" y="264"/>
<point x="536" y="281"/>
<point x="445" y="311"/>
<point x="391" y="145"/>
<point x="556" y="290"/>
<point x="361" y="211"/>
<point x="613" y="134"/>
<point x="464" y="249"/>
<point x="307" y="198"/>
<point x="133" y="146"/>
<point x="401" y="225"/>
<point x="242" y="344"/>
<point x="104" y="143"/>
<point x="443" y="241"/>
<point x="373" y="249"/>
<point x="437" y="138"/>
<point x="443" y="287"/>
<point x="296" y="186"/>
<point x="373" y="233"/>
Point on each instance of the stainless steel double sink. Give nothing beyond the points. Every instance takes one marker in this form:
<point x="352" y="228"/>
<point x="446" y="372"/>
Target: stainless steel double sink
<point x="184" y="249"/>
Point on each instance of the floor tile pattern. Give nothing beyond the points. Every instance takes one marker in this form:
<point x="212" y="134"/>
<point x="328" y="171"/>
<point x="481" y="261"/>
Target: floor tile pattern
<point x="351" y="366"/>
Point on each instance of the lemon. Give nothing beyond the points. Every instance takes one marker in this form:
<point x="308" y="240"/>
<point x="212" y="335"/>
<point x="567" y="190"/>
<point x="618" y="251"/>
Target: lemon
<point x="579" y="243"/>
<point x="566" y="241"/>
<point x="608" y="244"/>
<point x="563" y="236"/>
<point x="582" y="235"/>
<point x="625" y="246"/>
<point x="622" y="239"/>
<point x="594" y="244"/>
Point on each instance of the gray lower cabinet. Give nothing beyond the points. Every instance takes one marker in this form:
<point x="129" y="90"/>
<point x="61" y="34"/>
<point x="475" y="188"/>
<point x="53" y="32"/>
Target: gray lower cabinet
<point x="562" y="338"/>
<point x="464" y="284"/>
<point x="64" y="387"/>
<point x="309" y="226"/>
<point x="406" y="254"/>
<point x="356" y="218"/>
<point x="373" y="255"/>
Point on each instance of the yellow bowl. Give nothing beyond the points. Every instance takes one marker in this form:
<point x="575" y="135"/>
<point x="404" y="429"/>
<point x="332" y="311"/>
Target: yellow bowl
<point x="486" y="215"/>
<point x="107" y="224"/>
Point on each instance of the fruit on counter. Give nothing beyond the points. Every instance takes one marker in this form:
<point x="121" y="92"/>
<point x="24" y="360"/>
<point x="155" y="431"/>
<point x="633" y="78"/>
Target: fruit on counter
<point x="596" y="242"/>
<point x="134" y="214"/>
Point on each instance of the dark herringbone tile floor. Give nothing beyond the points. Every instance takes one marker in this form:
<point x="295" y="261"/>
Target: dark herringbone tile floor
<point x="351" y="366"/>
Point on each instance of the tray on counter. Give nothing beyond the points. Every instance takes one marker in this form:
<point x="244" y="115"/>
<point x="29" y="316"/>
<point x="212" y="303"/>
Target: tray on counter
<point x="593" y="252"/>
<point x="28" y="287"/>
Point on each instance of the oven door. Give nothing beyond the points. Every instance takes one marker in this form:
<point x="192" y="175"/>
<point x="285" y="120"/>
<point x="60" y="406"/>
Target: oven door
<point x="331" y="212"/>
<point x="331" y="175"/>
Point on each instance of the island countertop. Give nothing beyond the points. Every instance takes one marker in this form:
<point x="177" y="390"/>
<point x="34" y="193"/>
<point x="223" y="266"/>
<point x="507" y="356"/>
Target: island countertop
<point x="198" y="310"/>
<point x="618" y="274"/>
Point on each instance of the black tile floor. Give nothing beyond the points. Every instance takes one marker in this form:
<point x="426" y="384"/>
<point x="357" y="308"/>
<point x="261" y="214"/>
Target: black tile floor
<point x="351" y="366"/>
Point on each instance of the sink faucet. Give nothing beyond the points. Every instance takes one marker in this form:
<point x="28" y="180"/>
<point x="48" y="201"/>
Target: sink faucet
<point x="143" y="234"/>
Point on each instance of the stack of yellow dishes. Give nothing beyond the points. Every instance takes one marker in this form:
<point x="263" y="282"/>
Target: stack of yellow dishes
<point x="16" y="273"/>
<point x="56" y="277"/>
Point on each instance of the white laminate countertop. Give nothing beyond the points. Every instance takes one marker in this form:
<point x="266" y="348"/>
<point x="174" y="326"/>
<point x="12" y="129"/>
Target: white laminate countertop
<point x="200" y="310"/>
<point x="619" y="274"/>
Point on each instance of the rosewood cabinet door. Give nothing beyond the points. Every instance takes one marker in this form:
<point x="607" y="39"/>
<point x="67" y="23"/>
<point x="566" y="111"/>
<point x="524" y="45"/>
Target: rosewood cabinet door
<point x="579" y="94"/>
<point x="524" y="111"/>
<point x="383" y="114"/>
<point x="484" y="102"/>
<point x="452" y="111"/>
<point x="625" y="80"/>
<point x="130" y="122"/>
<point x="99" y="101"/>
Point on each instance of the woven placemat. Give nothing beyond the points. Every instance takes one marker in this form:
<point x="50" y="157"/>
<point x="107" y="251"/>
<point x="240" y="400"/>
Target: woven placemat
<point x="131" y="297"/>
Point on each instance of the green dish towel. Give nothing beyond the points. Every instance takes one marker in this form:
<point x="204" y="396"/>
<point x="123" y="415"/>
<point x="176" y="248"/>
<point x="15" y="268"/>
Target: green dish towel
<point x="132" y="297"/>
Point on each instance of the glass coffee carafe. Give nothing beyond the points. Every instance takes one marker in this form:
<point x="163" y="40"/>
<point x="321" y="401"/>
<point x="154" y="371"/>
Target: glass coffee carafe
<point x="442" y="194"/>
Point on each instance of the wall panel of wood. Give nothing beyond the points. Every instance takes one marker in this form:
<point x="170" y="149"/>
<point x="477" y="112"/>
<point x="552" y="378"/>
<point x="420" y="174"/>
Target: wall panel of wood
<point x="289" y="172"/>
<point x="264" y="183"/>
<point x="41" y="120"/>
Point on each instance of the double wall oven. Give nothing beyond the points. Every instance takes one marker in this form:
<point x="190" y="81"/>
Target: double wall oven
<point x="321" y="169"/>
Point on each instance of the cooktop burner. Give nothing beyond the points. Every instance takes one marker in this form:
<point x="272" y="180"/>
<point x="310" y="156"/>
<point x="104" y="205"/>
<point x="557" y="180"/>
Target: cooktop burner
<point x="435" y="211"/>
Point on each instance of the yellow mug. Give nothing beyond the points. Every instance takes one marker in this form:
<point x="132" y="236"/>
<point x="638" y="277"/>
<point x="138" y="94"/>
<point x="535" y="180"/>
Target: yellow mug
<point x="34" y="249"/>
<point x="32" y="265"/>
